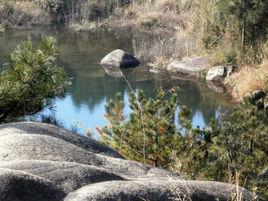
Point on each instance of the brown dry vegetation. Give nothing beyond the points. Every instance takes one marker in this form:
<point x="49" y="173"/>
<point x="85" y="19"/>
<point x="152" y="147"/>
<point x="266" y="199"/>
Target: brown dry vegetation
<point x="149" y="14"/>
<point x="157" y="15"/>
<point x="169" y="22"/>
<point x="248" y="78"/>
<point x="22" y="13"/>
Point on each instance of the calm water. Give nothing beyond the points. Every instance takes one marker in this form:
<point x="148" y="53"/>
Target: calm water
<point x="80" y="54"/>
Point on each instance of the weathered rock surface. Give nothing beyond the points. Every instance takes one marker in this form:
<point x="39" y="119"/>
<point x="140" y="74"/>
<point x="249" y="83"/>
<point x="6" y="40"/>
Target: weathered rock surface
<point x="68" y="176"/>
<point x="58" y="133"/>
<point x="22" y="186"/>
<point x="218" y="73"/>
<point x="120" y="58"/>
<point x="43" y="162"/>
<point x="190" y="66"/>
<point x="157" y="190"/>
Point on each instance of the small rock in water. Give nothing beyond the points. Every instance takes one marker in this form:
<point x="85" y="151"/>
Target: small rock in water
<point x="218" y="73"/>
<point x="189" y="66"/>
<point x="120" y="58"/>
<point x="154" y="70"/>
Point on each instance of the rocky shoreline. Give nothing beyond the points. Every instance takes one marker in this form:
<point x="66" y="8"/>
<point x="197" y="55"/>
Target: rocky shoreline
<point x="196" y="67"/>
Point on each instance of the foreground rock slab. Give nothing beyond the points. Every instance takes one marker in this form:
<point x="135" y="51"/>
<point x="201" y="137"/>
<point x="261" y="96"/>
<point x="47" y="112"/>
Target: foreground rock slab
<point x="22" y="186"/>
<point x="120" y="58"/>
<point x="45" y="163"/>
<point x="157" y="190"/>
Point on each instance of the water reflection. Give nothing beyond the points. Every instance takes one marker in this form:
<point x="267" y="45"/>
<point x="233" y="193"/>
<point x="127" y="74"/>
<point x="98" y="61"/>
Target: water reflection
<point x="80" y="53"/>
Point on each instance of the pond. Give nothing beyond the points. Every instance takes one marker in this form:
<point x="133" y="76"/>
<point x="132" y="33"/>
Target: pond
<point x="80" y="53"/>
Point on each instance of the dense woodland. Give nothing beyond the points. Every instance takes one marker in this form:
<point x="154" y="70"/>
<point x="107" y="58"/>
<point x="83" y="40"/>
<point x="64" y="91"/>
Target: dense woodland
<point x="232" y="149"/>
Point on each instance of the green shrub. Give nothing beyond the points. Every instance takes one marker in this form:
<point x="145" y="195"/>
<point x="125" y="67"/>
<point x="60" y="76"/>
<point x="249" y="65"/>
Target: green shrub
<point x="230" y="150"/>
<point x="226" y="55"/>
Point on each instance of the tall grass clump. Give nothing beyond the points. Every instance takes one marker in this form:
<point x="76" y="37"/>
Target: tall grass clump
<point x="250" y="78"/>
<point x="160" y="14"/>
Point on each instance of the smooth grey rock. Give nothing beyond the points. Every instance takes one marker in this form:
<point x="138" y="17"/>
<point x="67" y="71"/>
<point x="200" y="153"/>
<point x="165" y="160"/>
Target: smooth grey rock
<point x="59" y="133"/>
<point x="218" y="73"/>
<point x="158" y="190"/>
<point x="22" y="186"/>
<point x="68" y="176"/>
<point x="120" y="58"/>
<point x="190" y="66"/>
<point x="24" y="146"/>
<point x="42" y="147"/>
<point x="42" y="160"/>
<point x="154" y="70"/>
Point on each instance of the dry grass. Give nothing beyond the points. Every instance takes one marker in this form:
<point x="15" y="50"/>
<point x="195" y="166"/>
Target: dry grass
<point x="22" y="13"/>
<point x="249" y="79"/>
<point x="168" y="23"/>
<point x="151" y="14"/>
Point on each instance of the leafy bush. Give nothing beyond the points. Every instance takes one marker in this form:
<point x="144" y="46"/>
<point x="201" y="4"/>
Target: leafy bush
<point x="31" y="79"/>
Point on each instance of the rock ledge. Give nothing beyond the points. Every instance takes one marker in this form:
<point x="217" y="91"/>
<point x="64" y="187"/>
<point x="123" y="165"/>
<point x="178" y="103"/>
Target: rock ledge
<point x="46" y="163"/>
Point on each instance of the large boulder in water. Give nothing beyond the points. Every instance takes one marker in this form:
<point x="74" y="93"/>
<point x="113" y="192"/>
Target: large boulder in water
<point x="43" y="162"/>
<point x="120" y="58"/>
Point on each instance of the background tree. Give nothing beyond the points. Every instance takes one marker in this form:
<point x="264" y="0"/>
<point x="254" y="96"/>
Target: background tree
<point x="238" y="27"/>
<point x="30" y="80"/>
